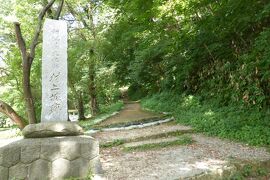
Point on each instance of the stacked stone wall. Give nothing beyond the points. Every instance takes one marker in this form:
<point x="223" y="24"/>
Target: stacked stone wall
<point x="50" y="158"/>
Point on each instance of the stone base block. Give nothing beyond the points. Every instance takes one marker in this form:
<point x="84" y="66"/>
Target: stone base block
<point x="50" y="158"/>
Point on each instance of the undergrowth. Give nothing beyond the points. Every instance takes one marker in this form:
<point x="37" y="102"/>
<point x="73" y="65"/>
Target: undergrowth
<point x="235" y="122"/>
<point x="249" y="171"/>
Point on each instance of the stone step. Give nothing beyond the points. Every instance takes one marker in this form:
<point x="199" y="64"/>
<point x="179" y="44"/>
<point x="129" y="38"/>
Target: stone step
<point x="152" y="132"/>
<point x="129" y="127"/>
<point x="150" y="120"/>
<point x="150" y="141"/>
<point x="150" y="144"/>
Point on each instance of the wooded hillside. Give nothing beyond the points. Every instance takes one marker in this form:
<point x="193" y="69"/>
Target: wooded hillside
<point x="206" y="61"/>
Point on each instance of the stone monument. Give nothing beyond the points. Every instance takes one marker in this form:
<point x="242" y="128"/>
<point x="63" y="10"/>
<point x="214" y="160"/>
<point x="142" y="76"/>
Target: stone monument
<point x="54" y="148"/>
<point x="54" y="114"/>
<point x="54" y="71"/>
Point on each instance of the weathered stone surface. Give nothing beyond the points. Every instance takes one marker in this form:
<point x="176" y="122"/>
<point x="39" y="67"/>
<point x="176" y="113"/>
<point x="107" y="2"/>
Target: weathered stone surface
<point x="80" y="167"/>
<point x="50" y="149"/>
<point x="70" y="150"/>
<point x="52" y="129"/>
<point x="61" y="169"/>
<point x="19" y="171"/>
<point x="54" y="71"/>
<point x="30" y="153"/>
<point x="56" y="158"/>
<point x="40" y="169"/>
<point x="86" y="152"/>
<point x="3" y="173"/>
<point x="95" y="165"/>
<point x="10" y="155"/>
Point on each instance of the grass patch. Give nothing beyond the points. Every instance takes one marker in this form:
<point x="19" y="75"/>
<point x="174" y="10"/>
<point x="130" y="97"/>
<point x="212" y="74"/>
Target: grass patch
<point x="106" y="112"/>
<point x="184" y="140"/>
<point x="234" y="122"/>
<point x="247" y="170"/>
<point x="117" y="142"/>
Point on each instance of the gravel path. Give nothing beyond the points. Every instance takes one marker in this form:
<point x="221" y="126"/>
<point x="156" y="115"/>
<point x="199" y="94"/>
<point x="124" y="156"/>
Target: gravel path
<point x="206" y="155"/>
<point x="226" y="148"/>
<point x="165" y="164"/>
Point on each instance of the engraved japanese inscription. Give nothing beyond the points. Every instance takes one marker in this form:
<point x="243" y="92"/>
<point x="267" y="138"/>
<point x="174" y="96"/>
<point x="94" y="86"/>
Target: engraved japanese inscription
<point x="54" y="71"/>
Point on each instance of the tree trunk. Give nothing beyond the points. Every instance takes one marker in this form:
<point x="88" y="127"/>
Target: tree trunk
<point x="89" y="24"/>
<point x="80" y="107"/>
<point x="29" y="102"/>
<point x="26" y="63"/>
<point x="92" y="91"/>
<point x="9" y="111"/>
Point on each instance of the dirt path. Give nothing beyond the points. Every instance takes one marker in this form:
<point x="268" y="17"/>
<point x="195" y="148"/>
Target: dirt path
<point x="132" y="112"/>
<point x="204" y="158"/>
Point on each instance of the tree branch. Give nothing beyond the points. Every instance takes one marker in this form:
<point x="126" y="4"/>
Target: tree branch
<point x="9" y="111"/>
<point x="20" y="40"/>
<point x="59" y="9"/>
<point x="74" y="13"/>
<point x="38" y="30"/>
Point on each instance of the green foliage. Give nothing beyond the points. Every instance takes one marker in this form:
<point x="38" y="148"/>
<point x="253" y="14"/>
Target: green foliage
<point x="217" y="49"/>
<point x="234" y="122"/>
<point x="249" y="171"/>
<point x="114" y="107"/>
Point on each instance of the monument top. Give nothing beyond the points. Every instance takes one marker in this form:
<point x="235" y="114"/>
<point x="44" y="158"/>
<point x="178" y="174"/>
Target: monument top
<point x="54" y="71"/>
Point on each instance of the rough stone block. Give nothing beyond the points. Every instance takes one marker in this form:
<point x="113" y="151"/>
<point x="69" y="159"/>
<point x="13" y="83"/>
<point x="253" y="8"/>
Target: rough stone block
<point x="70" y="150"/>
<point x="30" y="153"/>
<point x="19" y="171"/>
<point x="52" y="129"/>
<point x="80" y="167"/>
<point x="95" y="165"/>
<point x="10" y="155"/>
<point x="50" y="158"/>
<point x="61" y="169"/>
<point x="50" y="149"/>
<point x="90" y="149"/>
<point x="3" y="173"/>
<point x="40" y="169"/>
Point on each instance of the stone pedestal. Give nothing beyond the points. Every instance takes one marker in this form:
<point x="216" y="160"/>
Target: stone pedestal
<point x="50" y="158"/>
<point x="51" y="129"/>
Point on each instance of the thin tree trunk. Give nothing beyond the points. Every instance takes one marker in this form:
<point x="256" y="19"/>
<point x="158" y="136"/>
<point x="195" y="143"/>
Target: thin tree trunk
<point x="29" y="102"/>
<point x="9" y="111"/>
<point x="26" y="62"/>
<point x="92" y="91"/>
<point x="80" y="107"/>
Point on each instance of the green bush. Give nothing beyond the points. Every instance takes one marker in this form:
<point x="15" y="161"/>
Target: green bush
<point x="245" y="124"/>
